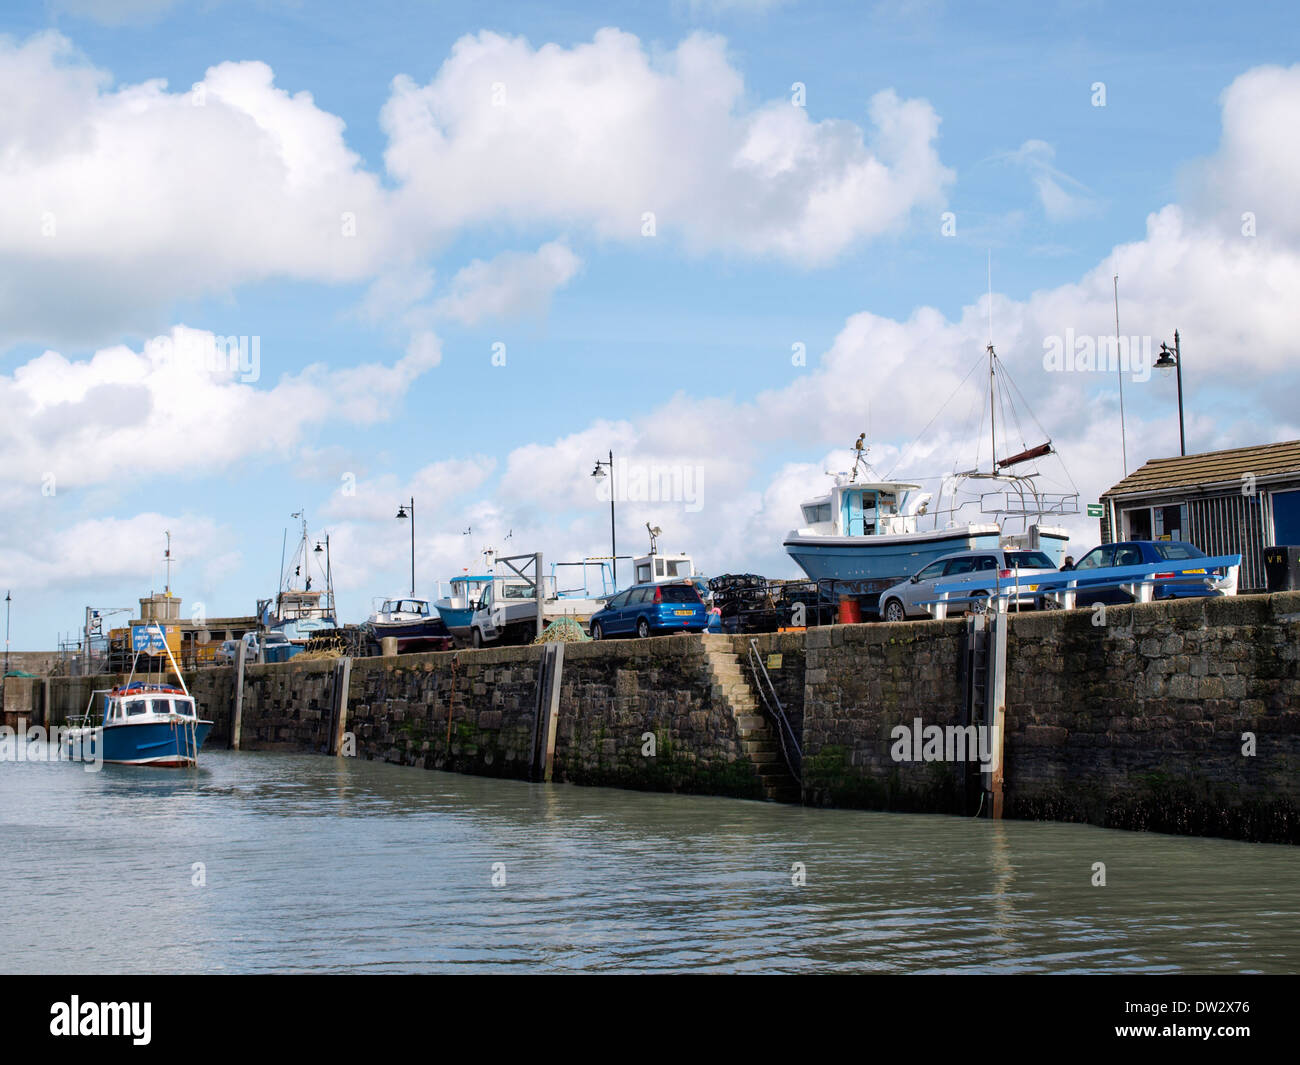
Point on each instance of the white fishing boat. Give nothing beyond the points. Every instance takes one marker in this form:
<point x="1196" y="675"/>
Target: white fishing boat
<point x="869" y="532"/>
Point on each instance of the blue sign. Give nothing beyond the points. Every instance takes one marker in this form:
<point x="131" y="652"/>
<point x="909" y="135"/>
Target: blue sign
<point x="148" y="638"/>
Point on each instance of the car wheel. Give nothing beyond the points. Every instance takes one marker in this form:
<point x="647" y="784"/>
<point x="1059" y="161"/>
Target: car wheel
<point x="1048" y="603"/>
<point x="642" y="628"/>
<point x="597" y="633"/>
<point x="477" y="638"/>
<point x="894" y="611"/>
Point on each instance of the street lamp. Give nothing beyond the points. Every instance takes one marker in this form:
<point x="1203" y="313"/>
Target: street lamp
<point x="329" y="573"/>
<point x="599" y="474"/>
<point x="404" y="511"/>
<point x="1173" y="360"/>
<point x="8" y="600"/>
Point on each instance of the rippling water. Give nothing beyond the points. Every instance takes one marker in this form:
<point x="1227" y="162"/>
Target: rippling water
<point x="322" y="864"/>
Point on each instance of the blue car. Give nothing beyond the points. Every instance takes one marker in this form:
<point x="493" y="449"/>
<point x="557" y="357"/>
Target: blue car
<point x="647" y="609"/>
<point x="1148" y="552"/>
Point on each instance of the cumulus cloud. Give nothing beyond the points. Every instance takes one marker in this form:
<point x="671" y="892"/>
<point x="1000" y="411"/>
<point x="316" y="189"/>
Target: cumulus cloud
<point x="602" y="135"/>
<point x="123" y="415"/>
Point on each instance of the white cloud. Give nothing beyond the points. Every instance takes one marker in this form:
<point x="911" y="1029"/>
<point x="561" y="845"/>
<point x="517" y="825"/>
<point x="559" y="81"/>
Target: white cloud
<point x="601" y="134"/>
<point x="510" y="284"/>
<point x="123" y="416"/>
<point x="1061" y="196"/>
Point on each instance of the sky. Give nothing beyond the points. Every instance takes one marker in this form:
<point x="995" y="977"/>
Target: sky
<point x="260" y="257"/>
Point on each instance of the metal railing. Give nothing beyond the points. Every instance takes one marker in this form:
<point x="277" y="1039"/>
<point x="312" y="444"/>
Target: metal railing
<point x="790" y="748"/>
<point x="1065" y="587"/>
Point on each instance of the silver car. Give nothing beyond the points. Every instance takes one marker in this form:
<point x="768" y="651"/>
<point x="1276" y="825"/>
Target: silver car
<point x="978" y="569"/>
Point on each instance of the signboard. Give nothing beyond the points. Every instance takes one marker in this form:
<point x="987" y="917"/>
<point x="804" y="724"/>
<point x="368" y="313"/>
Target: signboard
<point x="149" y="639"/>
<point x="1095" y="510"/>
<point x="773" y="661"/>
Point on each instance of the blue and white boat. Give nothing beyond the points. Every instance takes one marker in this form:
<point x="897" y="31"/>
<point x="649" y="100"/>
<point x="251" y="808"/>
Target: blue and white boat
<point x="868" y="532"/>
<point x="412" y="621"/>
<point x="139" y="723"/>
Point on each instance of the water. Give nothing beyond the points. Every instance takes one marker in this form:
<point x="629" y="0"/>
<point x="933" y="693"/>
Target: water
<point x="329" y="865"/>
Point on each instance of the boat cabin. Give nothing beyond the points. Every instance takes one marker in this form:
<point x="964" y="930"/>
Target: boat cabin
<point x="653" y="568"/>
<point x="148" y="703"/>
<point x="865" y="509"/>
<point x="405" y="608"/>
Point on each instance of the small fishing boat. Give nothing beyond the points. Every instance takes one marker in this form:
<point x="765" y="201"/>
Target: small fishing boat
<point x="412" y="621"/>
<point x="140" y="722"/>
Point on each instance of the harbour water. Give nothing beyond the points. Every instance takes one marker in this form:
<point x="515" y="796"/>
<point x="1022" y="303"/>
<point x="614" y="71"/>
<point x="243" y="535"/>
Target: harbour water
<point x="316" y="864"/>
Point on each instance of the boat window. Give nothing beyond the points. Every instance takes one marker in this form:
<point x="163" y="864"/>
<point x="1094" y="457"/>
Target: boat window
<point x="679" y="569"/>
<point x="137" y="706"/>
<point x="161" y="706"/>
<point x="659" y="567"/>
<point x="643" y="572"/>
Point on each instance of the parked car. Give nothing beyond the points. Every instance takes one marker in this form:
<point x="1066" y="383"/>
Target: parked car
<point x="1148" y="552"/>
<point x="979" y="569"/>
<point x="646" y="609"/>
<point x="275" y="646"/>
<point x="225" y="654"/>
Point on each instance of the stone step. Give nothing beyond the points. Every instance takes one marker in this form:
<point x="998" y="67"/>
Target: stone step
<point x="751" y="721"/>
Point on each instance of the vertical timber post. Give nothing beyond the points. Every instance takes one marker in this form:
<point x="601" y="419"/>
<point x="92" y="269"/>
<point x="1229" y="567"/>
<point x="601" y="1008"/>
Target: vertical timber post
<point x="996" y="716"/>
<point x="550" y="668"/>
<point x="540" y="589"/>
<point x="339" y="707"/>
<point x="237" y="718"/>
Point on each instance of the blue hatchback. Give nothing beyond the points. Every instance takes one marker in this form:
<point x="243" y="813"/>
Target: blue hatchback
<point x="1180" y="555"/>
<point x="647" y="609"/>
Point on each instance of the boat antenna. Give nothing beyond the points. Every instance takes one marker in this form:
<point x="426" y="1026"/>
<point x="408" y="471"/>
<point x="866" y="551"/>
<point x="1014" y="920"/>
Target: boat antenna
<point x="993" y="432"/>
<point x="1119" y="371"/>
<point x="167" y="557"/>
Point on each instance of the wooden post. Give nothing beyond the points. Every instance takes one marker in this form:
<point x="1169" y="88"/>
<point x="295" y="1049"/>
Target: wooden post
<point x="550" y="668"/>
<point x="541" y="597"/>
<point x="237" y="719"/>
<point x="339" y="704"/>
<point x="997" y="710"/>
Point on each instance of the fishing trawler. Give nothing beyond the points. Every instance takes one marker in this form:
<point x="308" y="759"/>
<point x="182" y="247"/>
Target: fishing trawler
<point x="867" y="532"/>
<point x="302" y="611"/>
<point x="148" y="723"/>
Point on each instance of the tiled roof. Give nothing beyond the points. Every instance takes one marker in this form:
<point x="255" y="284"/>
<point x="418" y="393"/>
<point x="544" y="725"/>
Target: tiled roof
<point x="1211" y="467"/>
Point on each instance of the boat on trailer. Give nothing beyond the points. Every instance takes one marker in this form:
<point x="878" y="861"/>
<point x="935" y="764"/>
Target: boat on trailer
<point x="140" y="722"/>
<point x="866" y="533"/>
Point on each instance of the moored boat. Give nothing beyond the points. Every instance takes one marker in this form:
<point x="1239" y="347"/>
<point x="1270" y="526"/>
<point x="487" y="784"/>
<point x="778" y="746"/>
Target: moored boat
<point x="140" y="723"/>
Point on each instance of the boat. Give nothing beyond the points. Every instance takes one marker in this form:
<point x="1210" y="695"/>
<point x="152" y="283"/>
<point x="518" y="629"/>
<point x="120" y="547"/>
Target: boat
<point x="302" y="612"/>
<point x="412" y="621"/>
<point x="140" y="722"/>
<point x="457" y="607"/>
<point x="867" y="532"/>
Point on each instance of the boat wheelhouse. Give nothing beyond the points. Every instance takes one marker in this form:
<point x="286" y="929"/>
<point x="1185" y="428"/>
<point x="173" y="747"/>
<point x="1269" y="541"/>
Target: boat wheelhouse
<point x="412" y="621"/>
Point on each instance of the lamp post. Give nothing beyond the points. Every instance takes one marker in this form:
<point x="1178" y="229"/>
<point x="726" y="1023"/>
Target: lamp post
<point x="1173" y="360"/>
<point x="599" y="474"/>
<point x="329" y="574"/>
<point x="8" y="600"/>
<point x="404" y="511"/>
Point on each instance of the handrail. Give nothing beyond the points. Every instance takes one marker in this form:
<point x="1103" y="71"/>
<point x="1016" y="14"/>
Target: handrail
<point x="1064" y="587"/>
<point x="784" y="730"/>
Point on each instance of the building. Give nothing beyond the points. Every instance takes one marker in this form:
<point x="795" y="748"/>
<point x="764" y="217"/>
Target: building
<point x="1230" y="502"/>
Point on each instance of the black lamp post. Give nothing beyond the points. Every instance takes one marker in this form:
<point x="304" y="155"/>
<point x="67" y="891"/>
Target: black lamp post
<point x="329" y="573"/>
<point x="8" y="600"/>
<point x="1173" y="360"/>
<point x="404" y="511"/>
<point x="599" y="474"/>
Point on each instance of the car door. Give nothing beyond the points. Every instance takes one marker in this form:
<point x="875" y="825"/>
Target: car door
<point x="918" y="591"/>
<point x="635" y="605"/>
<point x="1099" y="558"/>
<point x="608" y="619"/>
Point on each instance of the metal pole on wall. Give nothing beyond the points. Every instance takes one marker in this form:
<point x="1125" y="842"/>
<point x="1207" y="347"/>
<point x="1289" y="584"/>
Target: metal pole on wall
<point x="613" y="541"/>
<point x="8" y="600"/>
<point x="1178" y="365"/>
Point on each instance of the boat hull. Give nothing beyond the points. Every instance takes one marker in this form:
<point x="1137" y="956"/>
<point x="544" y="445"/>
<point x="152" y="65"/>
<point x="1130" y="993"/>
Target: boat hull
<point x="160" y="744"/>
<point x="884" y="559"/>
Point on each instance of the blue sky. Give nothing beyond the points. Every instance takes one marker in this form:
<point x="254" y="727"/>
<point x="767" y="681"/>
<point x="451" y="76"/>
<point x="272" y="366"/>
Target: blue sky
<point x="673" y="348"/>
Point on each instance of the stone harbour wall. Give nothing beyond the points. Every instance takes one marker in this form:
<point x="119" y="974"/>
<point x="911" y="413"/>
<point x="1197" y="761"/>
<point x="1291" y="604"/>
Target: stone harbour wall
<point x="1147" y="721"/>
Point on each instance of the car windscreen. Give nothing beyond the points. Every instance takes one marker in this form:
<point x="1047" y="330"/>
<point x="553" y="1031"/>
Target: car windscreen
<point x="1028" y="560"/>
<point x="679" y="593"/>
<point x="1175" y="550"/>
